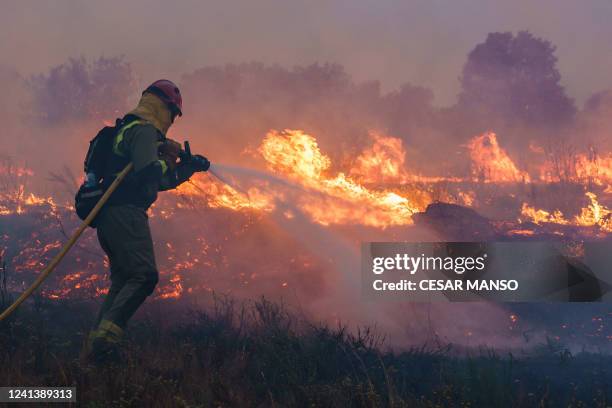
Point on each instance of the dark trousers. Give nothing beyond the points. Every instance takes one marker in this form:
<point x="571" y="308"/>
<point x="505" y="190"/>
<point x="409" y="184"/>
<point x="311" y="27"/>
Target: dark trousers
<point x="124" y="234"/>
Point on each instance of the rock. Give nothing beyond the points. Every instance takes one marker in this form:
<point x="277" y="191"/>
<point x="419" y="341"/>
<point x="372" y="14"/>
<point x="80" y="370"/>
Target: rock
<point x="455" y="223"/>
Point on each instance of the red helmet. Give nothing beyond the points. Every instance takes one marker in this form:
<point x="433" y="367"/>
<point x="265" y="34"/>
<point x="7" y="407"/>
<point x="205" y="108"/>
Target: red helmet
<point x="168" y="92"/>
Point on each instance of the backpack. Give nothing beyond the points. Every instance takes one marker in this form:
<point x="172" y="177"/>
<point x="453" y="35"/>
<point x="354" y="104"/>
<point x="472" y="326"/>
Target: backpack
<point x="98" y="155"/>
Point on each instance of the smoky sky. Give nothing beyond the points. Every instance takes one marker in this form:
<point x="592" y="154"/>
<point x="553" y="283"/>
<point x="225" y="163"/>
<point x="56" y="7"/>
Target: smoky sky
<point x="420" y="42"/>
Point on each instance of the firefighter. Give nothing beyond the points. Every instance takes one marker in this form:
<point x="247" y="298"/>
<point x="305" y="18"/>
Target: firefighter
<point x="122" y="225"/>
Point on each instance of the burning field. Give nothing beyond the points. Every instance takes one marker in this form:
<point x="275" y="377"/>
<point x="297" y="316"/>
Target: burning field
<point x="290" y="229"/>
<point x="307" y="164"/>
<point x="260" y="296"/>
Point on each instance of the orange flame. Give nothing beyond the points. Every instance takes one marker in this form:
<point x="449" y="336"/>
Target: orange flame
<point x="327" y="199"/>
<point x="16" y="201"/>
<point x="296" y="155"/>
<point x="361" y="195"/>
<point x="541" y="216"/>
<point x="596" y="169"/>
<point x="223" y="196"/>
<point x="384" y="162"/>
<point x="491" y="163"/>
<point x="595" y="214"/>
<point x="577" y="168"/>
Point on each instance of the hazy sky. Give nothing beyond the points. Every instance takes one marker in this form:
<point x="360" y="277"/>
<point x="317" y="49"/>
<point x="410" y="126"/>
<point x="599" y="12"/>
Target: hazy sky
<point x="422" y="42"/>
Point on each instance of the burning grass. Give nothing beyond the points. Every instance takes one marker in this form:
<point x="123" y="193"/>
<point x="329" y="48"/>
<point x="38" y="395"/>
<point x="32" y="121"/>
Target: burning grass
<point x="592" y="215"/>
<point x="491" y="164"/>
<point x="244" y="239"/>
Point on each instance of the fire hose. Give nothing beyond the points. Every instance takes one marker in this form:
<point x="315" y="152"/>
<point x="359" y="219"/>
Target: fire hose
<point x="73" y="239"/>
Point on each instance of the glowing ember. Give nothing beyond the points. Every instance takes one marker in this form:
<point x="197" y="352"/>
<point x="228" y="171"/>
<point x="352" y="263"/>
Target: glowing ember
<point x="15" y="201"/>
<point x="467" y="198"/>
<point x="8" y="169"/>
<point x="524" y="232"/>
<point x="174" y="289"/>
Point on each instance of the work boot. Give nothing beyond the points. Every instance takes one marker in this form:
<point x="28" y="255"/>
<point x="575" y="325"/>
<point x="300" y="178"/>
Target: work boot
<point x="103" y="343"/>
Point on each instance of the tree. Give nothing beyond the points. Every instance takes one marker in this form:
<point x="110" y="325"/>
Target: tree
<point x="515" y="78"/>
<point x="81" y="90"/>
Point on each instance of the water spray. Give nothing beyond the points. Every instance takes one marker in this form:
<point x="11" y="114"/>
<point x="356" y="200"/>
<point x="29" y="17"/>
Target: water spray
<point x="213" y="169"/>
<point x="320" y="240"/>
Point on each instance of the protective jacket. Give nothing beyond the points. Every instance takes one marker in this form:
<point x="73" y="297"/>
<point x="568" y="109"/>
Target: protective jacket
<point x="138" y="141"/>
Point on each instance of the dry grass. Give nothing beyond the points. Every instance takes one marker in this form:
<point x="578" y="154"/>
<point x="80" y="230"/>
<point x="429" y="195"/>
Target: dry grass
<point x="259" y="354"/>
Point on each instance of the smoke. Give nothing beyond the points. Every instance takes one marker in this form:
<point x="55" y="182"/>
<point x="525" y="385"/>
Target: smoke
<point x="50" y="117"/>
<point x="229" y="108"/>
<point x="595" y="121"/>
<point x="77" y="90"/>
<point x="383" y="40"/>
<point x="340" y="298"/>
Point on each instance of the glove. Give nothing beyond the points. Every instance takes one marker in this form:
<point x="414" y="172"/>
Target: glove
<point x="200" y="163"/>
<point x="185" y="169"/>
<point x="169" y="151"/>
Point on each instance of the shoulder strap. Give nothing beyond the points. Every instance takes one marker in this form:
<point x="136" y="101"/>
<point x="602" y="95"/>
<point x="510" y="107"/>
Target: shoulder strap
<point x="117" y="142"/>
